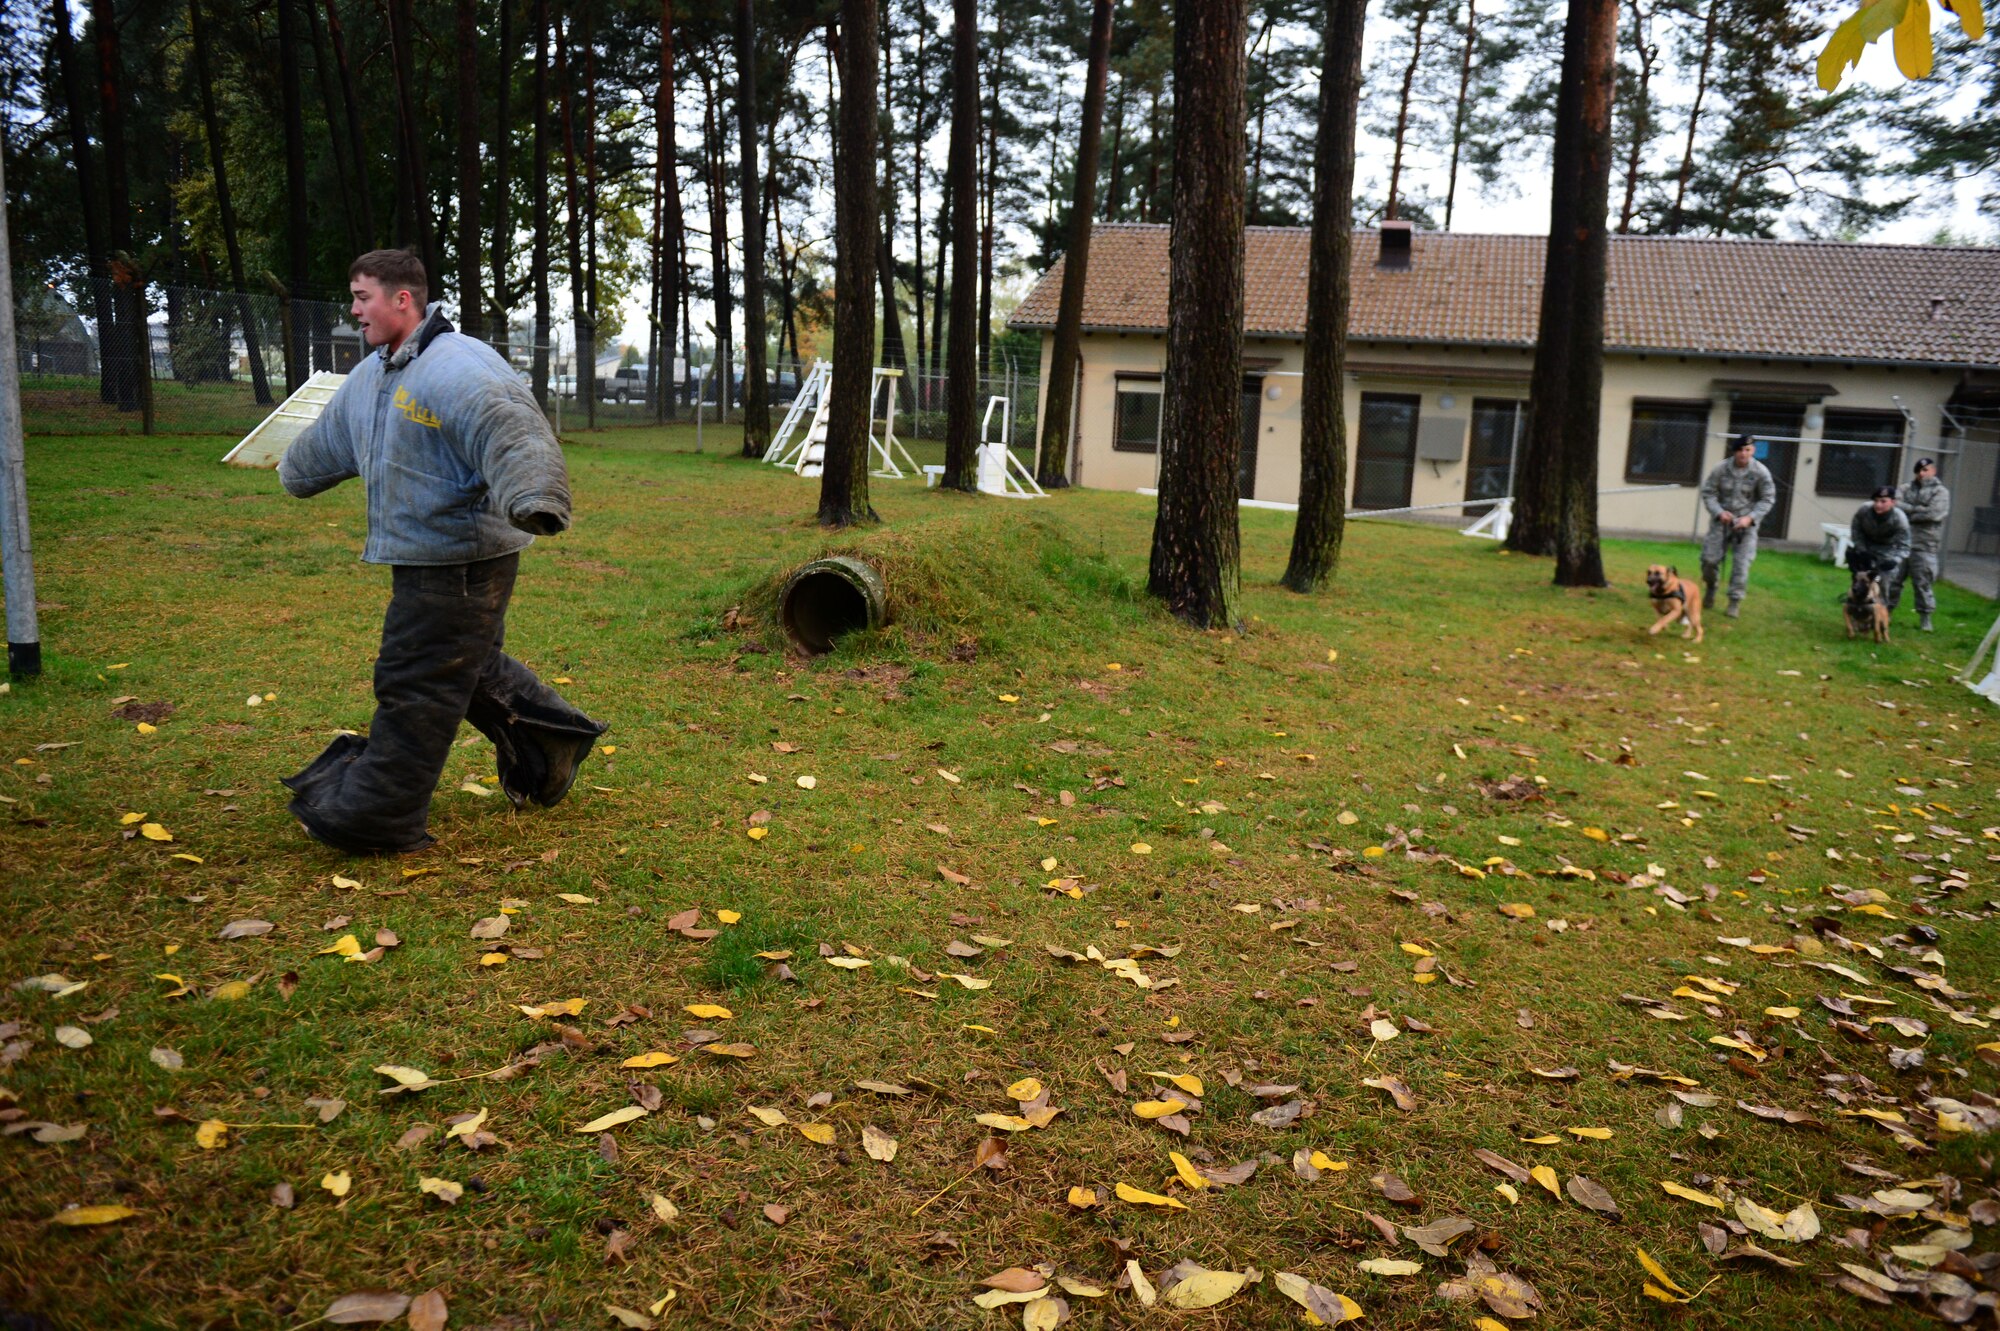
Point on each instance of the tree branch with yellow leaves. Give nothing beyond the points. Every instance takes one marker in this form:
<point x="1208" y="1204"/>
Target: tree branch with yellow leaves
<point x="1910" y="20"/>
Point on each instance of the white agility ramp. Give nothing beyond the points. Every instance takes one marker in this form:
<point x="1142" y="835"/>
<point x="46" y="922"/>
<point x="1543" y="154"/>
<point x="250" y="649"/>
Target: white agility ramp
<point x="266" y="445"/>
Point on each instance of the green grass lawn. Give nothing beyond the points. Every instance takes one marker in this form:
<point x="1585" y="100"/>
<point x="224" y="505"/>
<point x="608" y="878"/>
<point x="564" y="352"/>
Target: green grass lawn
<point x="1317" y="817"/>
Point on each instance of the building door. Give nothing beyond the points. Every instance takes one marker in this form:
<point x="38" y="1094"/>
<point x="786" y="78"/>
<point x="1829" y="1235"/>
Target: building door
<point x="1775" y="426"/>
<point x="1497" y="423"/>
<point x="1385" y="453"/>
<point x="1246" y="468"/>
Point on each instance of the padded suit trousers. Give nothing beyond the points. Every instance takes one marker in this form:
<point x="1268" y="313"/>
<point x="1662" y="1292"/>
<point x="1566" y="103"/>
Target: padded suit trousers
<point x="441" y="663"/>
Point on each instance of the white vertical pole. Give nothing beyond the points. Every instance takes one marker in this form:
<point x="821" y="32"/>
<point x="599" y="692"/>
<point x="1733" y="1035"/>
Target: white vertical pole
<point x="24" y="639"/>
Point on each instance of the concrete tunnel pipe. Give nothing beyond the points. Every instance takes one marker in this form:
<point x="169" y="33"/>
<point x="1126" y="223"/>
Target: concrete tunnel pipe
<point x="826" y="598"/>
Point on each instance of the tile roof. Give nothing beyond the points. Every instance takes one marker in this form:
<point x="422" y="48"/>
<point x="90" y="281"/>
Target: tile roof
<point x="1812" y="300"/>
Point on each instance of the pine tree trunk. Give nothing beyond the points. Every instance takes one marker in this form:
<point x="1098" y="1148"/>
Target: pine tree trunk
<point x="1401" y="136"/>
<point x="1059" y="403"/>
<point x="843" y="486"/>
<point x="961" y="443"/>
<point x="1701" y="79"/>
<point x="1459" y="108"/>
<point x="1195" y="565"/>
<point x="86" y="183"/>
<point x="364" y="189"/>
<point x="503" y="185"/>
<point x="592" y="213"/>
<point x="1322" y="520"/>
<point x="989" y="189"/>
<point x="666" y="167"/>
<point x="299" y="362"/>
<point x="582" y="374"/>
<point x="421" y="220"/>
<point x="894" y="353"/>
<point x="344" y="178"/>
<point x="1111" y="197"/>
<point x="1556" y="512"/>
<point x="117" y="344"/>
<point x="922" y="132"/>
<point x="225" y="207"/>
<point x="940" y="298"/>
<point x="539" y="260"/>
<point x="718" y="246"/>
<point x="756" y="399"/>
<point x="1642" y="117"/>
<point x="470" y="321"/>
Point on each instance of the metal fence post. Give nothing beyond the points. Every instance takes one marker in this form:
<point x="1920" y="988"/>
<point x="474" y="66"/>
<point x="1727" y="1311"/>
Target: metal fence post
<point x="24" y="639"/>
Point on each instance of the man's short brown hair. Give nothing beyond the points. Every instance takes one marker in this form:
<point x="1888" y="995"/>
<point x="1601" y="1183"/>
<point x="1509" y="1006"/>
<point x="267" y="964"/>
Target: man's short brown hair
<point x="396" y="270"/>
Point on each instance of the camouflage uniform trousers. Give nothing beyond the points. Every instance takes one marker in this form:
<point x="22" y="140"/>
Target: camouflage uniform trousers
<point x="1717" y="544"/>
<point x="1920" y="570"/>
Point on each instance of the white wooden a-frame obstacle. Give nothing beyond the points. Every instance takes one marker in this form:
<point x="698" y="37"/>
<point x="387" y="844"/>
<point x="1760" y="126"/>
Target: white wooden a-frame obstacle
<point x="808" y="456"/>
<point x="1000" y="472"/>
<point x="784" y="450"/>
<point x="266" y="445"/>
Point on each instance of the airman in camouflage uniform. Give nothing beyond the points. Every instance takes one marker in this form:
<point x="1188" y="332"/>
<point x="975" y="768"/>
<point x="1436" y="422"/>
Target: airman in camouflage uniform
<point x="1737" y="495"/>
<point x="1879" y="536"/>
<point x="1926" y="503"/>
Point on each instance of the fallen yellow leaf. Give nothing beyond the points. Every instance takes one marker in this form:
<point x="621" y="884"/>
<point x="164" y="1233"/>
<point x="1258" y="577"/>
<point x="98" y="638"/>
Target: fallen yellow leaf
<point x="1681" y="1190"/>
<point x="337" y="1183"/>
<point x="613" y="1119"/>
<point x="212" y="1134"/>
<point x="656" y="1059"/>
<point x="92" y="1215"/>
<point x="1184" y="1169"/>
<point x="1127" y="1193"/>
<point x="154" y="832"/>
<point x="708" y="1011"/>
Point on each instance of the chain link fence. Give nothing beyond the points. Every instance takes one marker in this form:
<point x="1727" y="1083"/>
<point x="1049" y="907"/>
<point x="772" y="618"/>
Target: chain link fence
<point x="119" y="357"/>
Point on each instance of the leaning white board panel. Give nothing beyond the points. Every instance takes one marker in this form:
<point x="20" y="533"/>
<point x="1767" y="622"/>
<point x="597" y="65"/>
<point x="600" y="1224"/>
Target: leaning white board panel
<point x="266" y="444"/>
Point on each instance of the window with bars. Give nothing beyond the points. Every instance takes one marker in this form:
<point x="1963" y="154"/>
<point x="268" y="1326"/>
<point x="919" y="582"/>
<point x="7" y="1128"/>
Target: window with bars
<point x="1136" y="418"/>
<point x="1666" y="442"/>
<point x="1858" y="452"/>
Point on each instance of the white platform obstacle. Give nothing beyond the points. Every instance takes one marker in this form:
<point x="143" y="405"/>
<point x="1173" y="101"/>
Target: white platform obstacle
<point x="808" y="456"/>
<point x="1000" y="472"/>
<point x="265" y="446"/>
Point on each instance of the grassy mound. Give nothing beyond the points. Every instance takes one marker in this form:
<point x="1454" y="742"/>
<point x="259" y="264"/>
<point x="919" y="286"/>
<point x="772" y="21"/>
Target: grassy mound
<point x="994" y="580"/>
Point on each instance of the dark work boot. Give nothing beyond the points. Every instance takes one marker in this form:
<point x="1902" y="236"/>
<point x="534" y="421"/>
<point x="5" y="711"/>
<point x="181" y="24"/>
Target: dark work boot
<point x="1924" y="624"/>
<point x="1735" y="608"/>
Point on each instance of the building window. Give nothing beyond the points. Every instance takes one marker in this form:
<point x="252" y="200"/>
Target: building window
<point x="1497" y="426"/>
<point x="1858" y="452"/>
<point x="1666" y="444"/>
<point x="1136" y="424"/>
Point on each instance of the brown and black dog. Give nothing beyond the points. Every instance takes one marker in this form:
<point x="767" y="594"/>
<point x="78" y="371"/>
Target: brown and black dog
<point x="1674" y="598"/>
<point x="1866" y="611"/>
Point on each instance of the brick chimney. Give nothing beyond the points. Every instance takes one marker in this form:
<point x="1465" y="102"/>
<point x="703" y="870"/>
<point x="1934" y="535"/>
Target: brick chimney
<point x="1396" y="237"/>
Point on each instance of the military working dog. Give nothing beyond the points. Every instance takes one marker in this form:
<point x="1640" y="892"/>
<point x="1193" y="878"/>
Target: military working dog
<point x="1867" y="611"/>
<point x="1674" y="598"/>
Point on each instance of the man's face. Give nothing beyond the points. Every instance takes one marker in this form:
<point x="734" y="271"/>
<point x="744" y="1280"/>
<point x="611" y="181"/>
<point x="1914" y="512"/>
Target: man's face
<point x="1883" y="503"/>
<point x="386" y="316"/>
<point x="1925" y="473"/>
<point x="1741" y="457"/>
